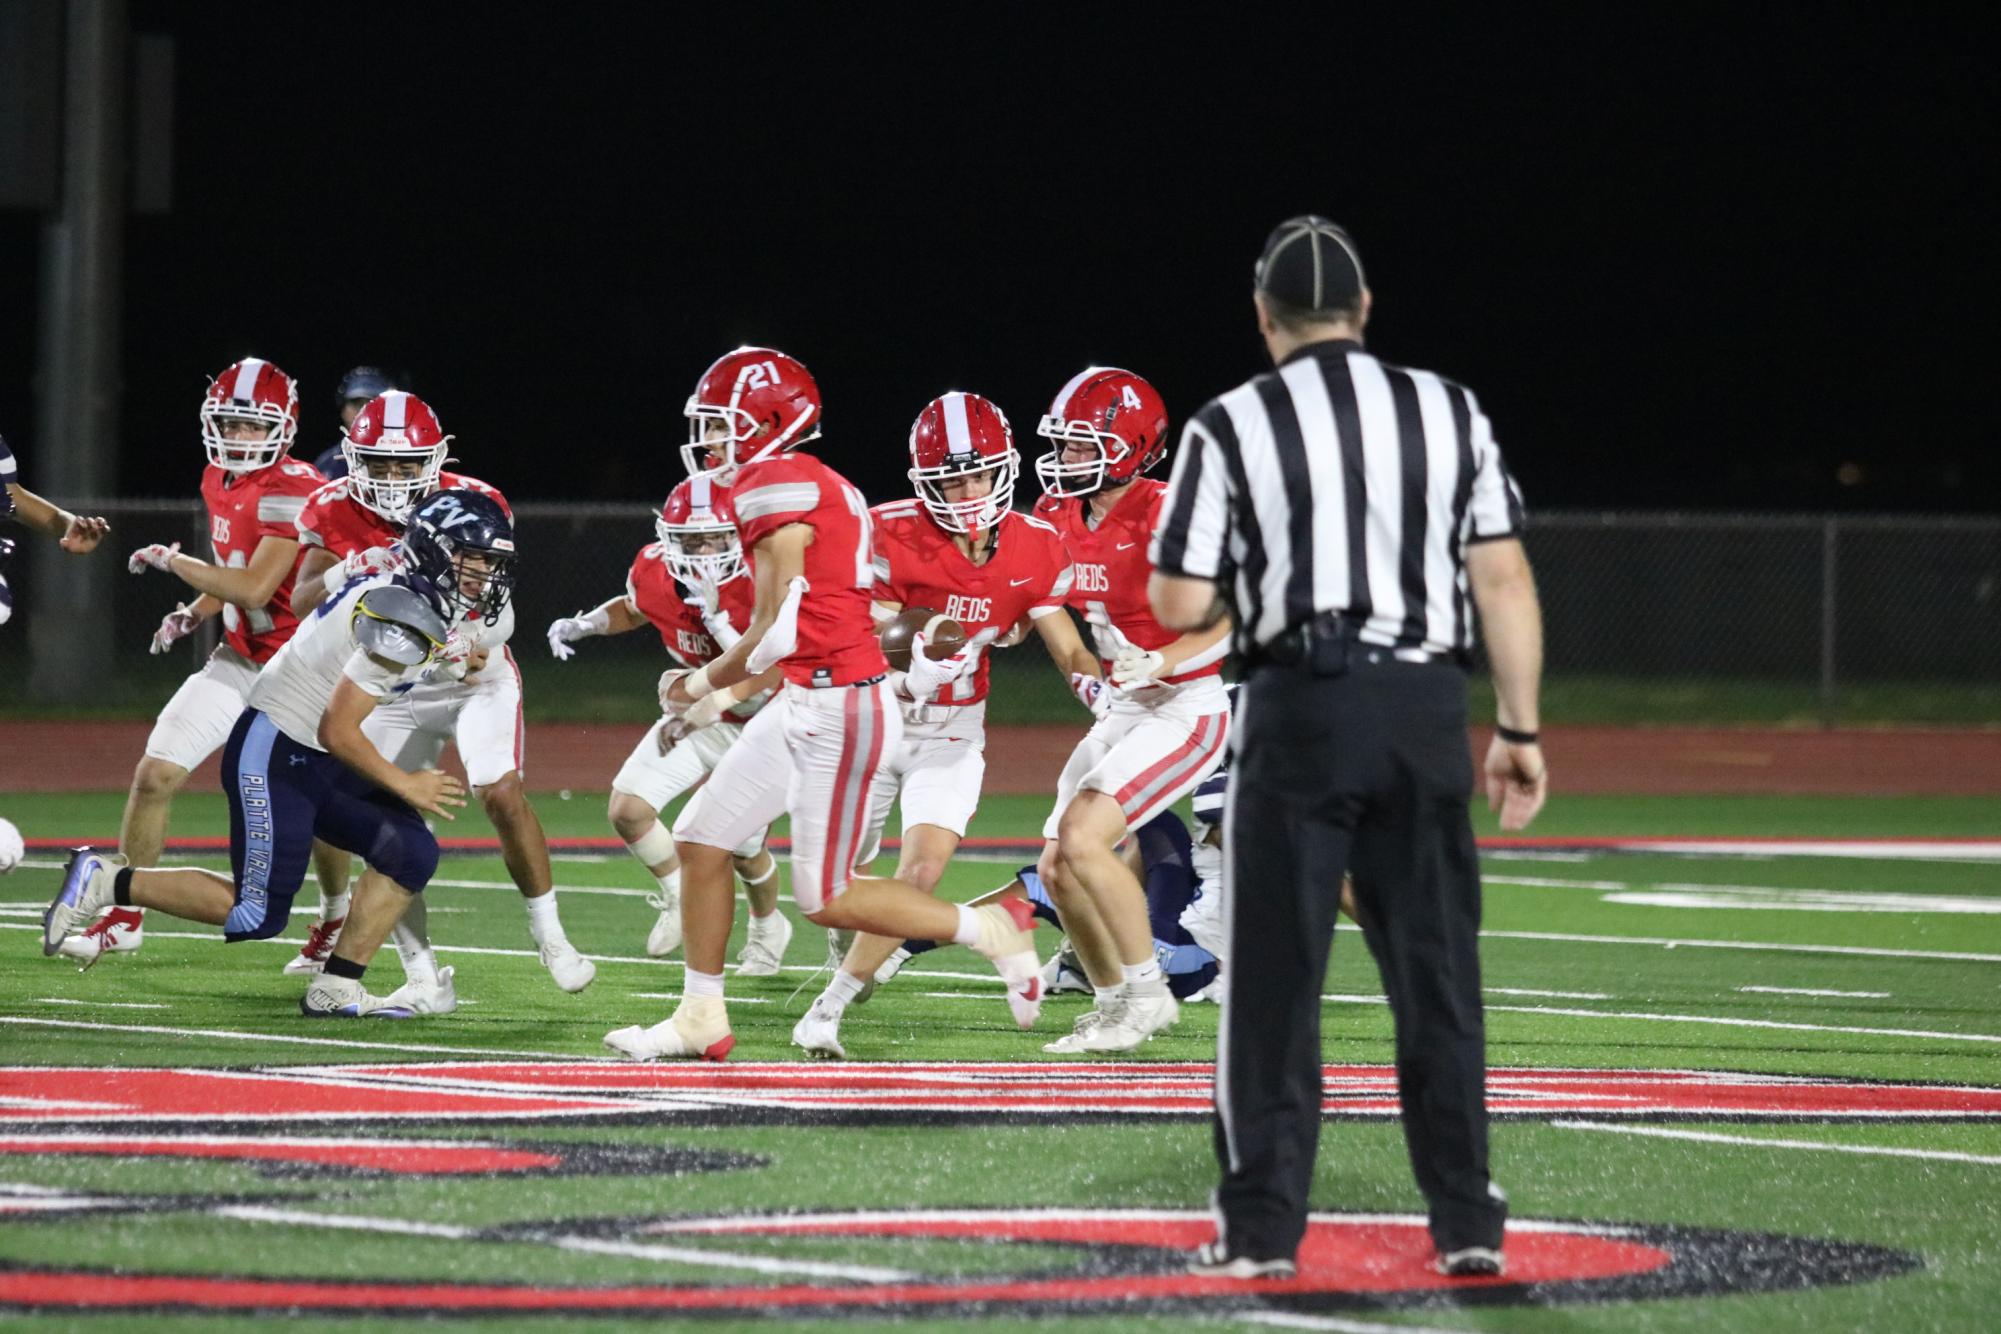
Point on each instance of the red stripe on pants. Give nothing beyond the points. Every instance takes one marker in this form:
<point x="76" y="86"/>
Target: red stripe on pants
<point x="1179" y="755"/>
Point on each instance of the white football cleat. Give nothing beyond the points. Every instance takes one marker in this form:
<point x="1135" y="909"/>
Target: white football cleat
<point x="1133" y="1021"/>
<point x="345" y="998"/>
<point x="763" y="952"/>
<point x="665" y="937"/>
<point x="697" y="1029"/>
<point x="118" y="931"/>
<point x="85" y="892"/>
<point x="319" y="946"/>
<point x="819" y="1031"/>
<point x="1064" y="973"/>
<point x="1072" y="1042"/>
<point x="429" y="998"/>
<point x="892" y="965"/>
<point x="1209" y="995"/>
<point x="1007" y="936"/>
<point x="572" y="971"/>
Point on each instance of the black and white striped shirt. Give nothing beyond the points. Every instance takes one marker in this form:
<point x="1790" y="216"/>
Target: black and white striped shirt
<point x="1337" y="483"/>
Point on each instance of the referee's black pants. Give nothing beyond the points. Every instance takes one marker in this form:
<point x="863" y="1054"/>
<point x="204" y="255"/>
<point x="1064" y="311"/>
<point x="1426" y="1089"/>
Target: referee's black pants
<point x="1367" y="772"/>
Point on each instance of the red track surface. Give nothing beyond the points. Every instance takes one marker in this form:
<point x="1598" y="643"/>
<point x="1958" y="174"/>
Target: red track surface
<point x="98" y="756"/>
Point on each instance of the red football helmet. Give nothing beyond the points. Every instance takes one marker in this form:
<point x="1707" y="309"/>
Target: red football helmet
<point x="698" y="532"/>
<point x="752" y="403"/>
<point x="395" y="450"/>
<point x="1113" y="410"/>
<point x="252" y="390"/>
<point x="963" y="435"/>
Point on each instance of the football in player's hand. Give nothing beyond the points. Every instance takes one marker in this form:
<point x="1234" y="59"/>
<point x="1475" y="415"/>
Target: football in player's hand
<point x="943" y="636"/>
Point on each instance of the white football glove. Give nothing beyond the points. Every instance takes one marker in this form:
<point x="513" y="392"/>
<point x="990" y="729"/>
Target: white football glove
<point x="1135" y="667"/>
<point x="370" y="560"/>
<point x="453" y="660"/>
<point x="927" y="676"/>
<point x="1092" y="693"/>
<point x="707" y="710"/>
<point x="158" y="556"/>
<point x="568" y="630"/>
<point x="176" y="625"/>
<point x="704" y="595"/>
<point x="667" y="679"/>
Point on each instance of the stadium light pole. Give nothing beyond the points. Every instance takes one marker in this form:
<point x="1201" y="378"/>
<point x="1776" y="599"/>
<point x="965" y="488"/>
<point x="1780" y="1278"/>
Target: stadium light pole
<point x="78" y="378"/>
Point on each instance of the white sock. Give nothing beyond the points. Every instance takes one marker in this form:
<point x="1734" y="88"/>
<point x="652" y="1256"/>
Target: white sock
<point x="760" y="923"/>
<point x="844" y="988"/>
<point x="670" y="884"/>
<point x="702" y="985"/>
<point x="969" y="927"/>
<point x="543" y="924"/>
<point x="335" y="908"/>
<point x="1142" y="976"/>
<point x="413" y="944"/>
<point x="1106" y="995"/>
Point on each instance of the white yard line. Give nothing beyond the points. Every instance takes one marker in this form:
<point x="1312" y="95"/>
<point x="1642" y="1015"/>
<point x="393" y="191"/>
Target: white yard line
<point x="683" y="1255"/>
<point x="100" y="1005"/>
<point x="232" y="1035"/>
<point x="1721" y="1021"/>
<point x="1334" y="1324"/>
<point x="1754" y="1141"/>
<point x="675" y="995"/>
<point x="1672" y="942"/>
<point x="1549" y="995"/>
<point x="1816" y="991"/>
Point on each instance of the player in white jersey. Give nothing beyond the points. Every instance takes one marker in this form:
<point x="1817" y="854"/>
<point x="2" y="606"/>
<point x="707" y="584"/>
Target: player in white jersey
<point x="297" y="765"/>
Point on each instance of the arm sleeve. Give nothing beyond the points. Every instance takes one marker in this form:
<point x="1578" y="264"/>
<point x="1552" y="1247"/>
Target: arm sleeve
<point x="1194" y="530"/>
<point x="1495" y="508"/>
<point x="500" y="630"/>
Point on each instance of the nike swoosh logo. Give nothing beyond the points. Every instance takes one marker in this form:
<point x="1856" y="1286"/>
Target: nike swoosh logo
<point x="1017" y="583"/>
<point x="1126" y="546"/>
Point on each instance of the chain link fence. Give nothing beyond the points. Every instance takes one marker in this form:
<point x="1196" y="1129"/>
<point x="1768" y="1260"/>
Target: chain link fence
<point x="1651" y="618"/>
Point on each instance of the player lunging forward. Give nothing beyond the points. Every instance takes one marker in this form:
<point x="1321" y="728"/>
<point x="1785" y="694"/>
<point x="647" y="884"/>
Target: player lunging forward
<point x="815" y="750"/>
<point x="959" y="549"/>
<point x="297" y="765"/>
<point x="1168" y="715"/>
<point x="253" y="492"/>
<point x="693" y="587"/>
<point x="396" y="455"/>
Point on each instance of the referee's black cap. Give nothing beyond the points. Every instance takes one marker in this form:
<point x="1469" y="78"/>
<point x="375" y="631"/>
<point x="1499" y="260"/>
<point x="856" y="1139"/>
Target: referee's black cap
<point x="1310" y="263"/>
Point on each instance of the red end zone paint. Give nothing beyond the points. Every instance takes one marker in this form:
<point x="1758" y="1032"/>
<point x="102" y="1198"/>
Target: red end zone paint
<point x="1370" y="1256"/>
<point x="446" y="1091"/>
<point x="429" y="1158"/>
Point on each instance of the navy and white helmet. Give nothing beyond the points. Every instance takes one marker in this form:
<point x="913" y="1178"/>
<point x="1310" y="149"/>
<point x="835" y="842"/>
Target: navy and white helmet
<point x="363" y="383"/>
<point x="454" y="523"/>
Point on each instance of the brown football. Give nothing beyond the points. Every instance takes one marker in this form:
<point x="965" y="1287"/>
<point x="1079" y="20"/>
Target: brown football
<point x="943" y="636"/>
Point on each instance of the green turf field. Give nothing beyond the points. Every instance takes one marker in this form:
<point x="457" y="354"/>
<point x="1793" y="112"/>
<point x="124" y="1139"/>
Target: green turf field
<point x="1845" y="967"/>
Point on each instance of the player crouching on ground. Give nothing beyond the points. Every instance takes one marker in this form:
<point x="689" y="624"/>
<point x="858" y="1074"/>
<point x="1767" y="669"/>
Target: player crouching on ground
<point x="396" y="452"/>
<point x="297" y="765"/>
<point x="1163" y="724"/>
<point x="958" y="548"/>
<point x="693" y="587"/>
<point x="815" y="750"/>
<point x="253" y="492"/>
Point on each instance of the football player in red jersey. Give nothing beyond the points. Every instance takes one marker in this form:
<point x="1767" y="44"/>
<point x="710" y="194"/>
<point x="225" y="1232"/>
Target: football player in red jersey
<point x="693" y="587"/>
<point x="253" y="493"/>
<point x="396" y="455"/>
<point x="1164" y="719"/>
<point x="815" y="750"/>
<point x="960" y="548"/>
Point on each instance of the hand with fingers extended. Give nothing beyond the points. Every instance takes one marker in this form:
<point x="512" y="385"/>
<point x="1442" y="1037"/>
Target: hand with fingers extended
<point x="564" y="633"/>
<point x="434" y="792"/>
<point x="175" y="626"/>
<point x="927" y="676"/>
<point x="1517" y="781"/>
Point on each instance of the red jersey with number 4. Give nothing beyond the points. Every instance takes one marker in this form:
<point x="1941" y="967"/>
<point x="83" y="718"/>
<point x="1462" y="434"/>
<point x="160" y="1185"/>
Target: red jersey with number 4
<point x="837" y="643"/>
<point x="343" y="525"/>
<point x="650" y="587"/>
<point x="917" y="564"/>
<point x="1111" y="568"/>
<point x="243" y="510"/>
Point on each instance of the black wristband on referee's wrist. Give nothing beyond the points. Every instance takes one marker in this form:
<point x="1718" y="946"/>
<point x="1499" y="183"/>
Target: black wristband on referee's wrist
<point x="1513" y="737"/>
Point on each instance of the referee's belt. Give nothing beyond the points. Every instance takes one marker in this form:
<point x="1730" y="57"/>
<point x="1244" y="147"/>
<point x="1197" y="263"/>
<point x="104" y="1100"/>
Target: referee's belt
<point x="1331" y="643"/>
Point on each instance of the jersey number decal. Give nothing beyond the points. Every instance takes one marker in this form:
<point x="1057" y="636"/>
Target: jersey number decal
<point x="232" y="615"/>
<point x="760" y="375"/>
<point x="865" y="522"/>
<point x="1129" y="397"/>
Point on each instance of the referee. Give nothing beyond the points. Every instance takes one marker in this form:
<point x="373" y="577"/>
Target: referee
<point x="1341" y="508"/>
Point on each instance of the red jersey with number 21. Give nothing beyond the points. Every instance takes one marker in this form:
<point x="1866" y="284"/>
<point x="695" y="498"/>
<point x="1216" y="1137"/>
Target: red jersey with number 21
<point x="243" y="510"/>
<point x="837" y="643"/>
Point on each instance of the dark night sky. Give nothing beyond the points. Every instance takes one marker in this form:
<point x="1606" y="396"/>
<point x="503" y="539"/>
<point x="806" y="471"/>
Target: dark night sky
<point x="1686" y="260"/>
